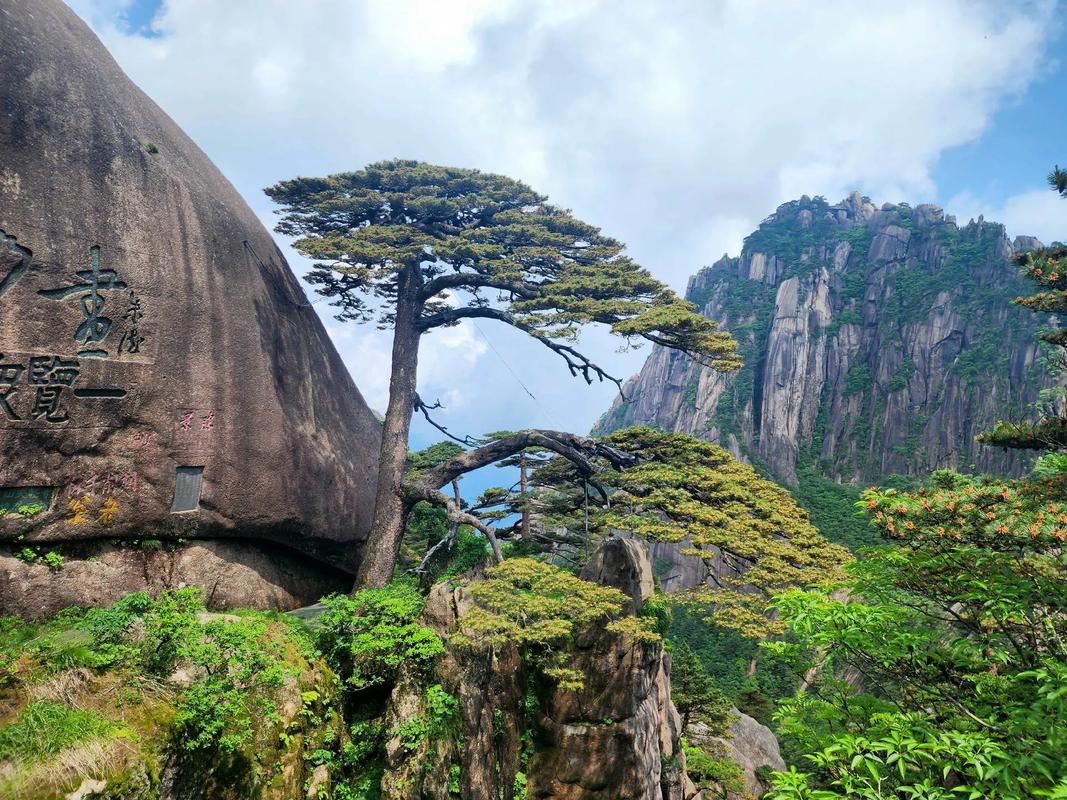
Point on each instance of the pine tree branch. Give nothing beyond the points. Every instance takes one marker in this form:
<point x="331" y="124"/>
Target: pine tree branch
<point x="474" y="280"/>
<point x="577" y="362"/>
<point x="425" y="409"/>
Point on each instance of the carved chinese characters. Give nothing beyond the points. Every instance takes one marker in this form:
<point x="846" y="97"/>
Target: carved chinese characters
<point x="94" y="327"/>
<point x="96" y="499"/>
<point x="22" y="256"/>
<point x="41" y="388"/>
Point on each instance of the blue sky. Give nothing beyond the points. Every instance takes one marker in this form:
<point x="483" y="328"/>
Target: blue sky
<point x="675" y="126"/>
<point x="1017" y="150"/>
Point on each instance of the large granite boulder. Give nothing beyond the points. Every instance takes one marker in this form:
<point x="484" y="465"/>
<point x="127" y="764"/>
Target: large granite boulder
<point x="162" y="375"/>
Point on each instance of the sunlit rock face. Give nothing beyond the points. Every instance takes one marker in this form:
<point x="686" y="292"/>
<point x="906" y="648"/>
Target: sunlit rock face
<point x="161" y="373"/>
<point x="616" y="738"/>
<point x="877" y="341"/>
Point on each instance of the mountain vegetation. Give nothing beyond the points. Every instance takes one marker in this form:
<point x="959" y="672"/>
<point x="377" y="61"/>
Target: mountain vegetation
<point x="937" y="669"/>
<point x="520" y="644"/>
<point x="877" y="344"/>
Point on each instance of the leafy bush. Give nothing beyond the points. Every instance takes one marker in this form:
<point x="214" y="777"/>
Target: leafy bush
<point x="472" y="550"/>
<point x="367" y="637"/>
<point x="712" y="771"/>
<point x="241" y="663"/>
<point x="959" y="638"/>
<point x="53" y="560"/>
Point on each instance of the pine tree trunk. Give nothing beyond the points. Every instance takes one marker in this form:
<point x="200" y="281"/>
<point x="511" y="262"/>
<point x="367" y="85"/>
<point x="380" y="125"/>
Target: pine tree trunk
<point x="390" y="507"/>
<point x="523" y="486"/>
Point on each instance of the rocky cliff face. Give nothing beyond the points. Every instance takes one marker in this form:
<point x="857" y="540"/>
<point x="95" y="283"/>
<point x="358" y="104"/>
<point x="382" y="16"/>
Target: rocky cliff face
<point x="618" y="738"/>
<point x="876" y="342"/>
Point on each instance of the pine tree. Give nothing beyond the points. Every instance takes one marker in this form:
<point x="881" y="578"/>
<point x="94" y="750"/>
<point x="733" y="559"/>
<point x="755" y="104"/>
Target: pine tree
<point x="693" y="693"/>
<point x="754" y="539"/>
<point x="416" y="247"/>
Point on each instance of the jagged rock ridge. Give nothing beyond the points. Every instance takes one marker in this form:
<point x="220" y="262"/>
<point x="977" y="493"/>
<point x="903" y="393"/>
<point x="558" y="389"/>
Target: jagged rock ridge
<point x="876" y="342"/>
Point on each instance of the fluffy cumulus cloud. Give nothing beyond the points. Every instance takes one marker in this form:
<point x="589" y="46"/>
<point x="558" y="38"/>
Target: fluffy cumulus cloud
<point x="1038" y="212"/>
<point x="675" y="126"/>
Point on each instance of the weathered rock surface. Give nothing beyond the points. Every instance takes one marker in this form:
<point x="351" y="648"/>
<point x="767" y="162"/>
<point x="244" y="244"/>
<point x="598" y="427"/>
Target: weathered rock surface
<point x="161" y="373"/>
<point x="750" y="744"/>
<point x="232" y="575"/>
<point x="489" y="686"/>
<point x="616" y="738"/>
<point x="876" y="342"/>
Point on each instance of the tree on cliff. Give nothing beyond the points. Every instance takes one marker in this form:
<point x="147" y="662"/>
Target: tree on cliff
<point x="753" y="538"/>
<point x="416" y="247"/>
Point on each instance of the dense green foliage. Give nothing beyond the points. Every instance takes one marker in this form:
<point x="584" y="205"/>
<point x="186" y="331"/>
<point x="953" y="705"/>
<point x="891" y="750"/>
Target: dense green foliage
<point x="368" y="636"/>
<point x="685" y="487"/>
<point x="155" y="673"/>
<point x="236" y="661"/>
<point x="832" y="507"/>
<point x="713" y="772"/>
<point x="115" y="692"/>
<point x="957" y="645"/>
<point x="725" y="657"/>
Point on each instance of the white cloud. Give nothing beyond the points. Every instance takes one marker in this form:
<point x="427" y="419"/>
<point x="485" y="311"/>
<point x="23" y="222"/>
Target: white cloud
<point x="1038" y="212"/>
<point x="448" y="356"/>
<point x="675" y="126"/>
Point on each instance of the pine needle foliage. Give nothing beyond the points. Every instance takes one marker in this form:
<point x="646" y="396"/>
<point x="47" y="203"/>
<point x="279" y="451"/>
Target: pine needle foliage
<point x="472" y="232"/>
<point x="754" y="538"/>
<point x="538" y="607"/>
<point x="1047" y="268"/>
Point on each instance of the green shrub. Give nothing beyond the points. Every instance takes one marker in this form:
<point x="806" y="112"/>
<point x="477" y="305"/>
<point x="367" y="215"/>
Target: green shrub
<point x="364" y="746"/>
<point x="171" y="627"/>
<point x="442" y="710"/>
<point x="367" y="637"/>
<point x="858" y="379"/>
<point x="53" y="560"/>
<point x="711" y="770"/>
<point x="241" y="663"/>
<point x="471" y="551"/>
